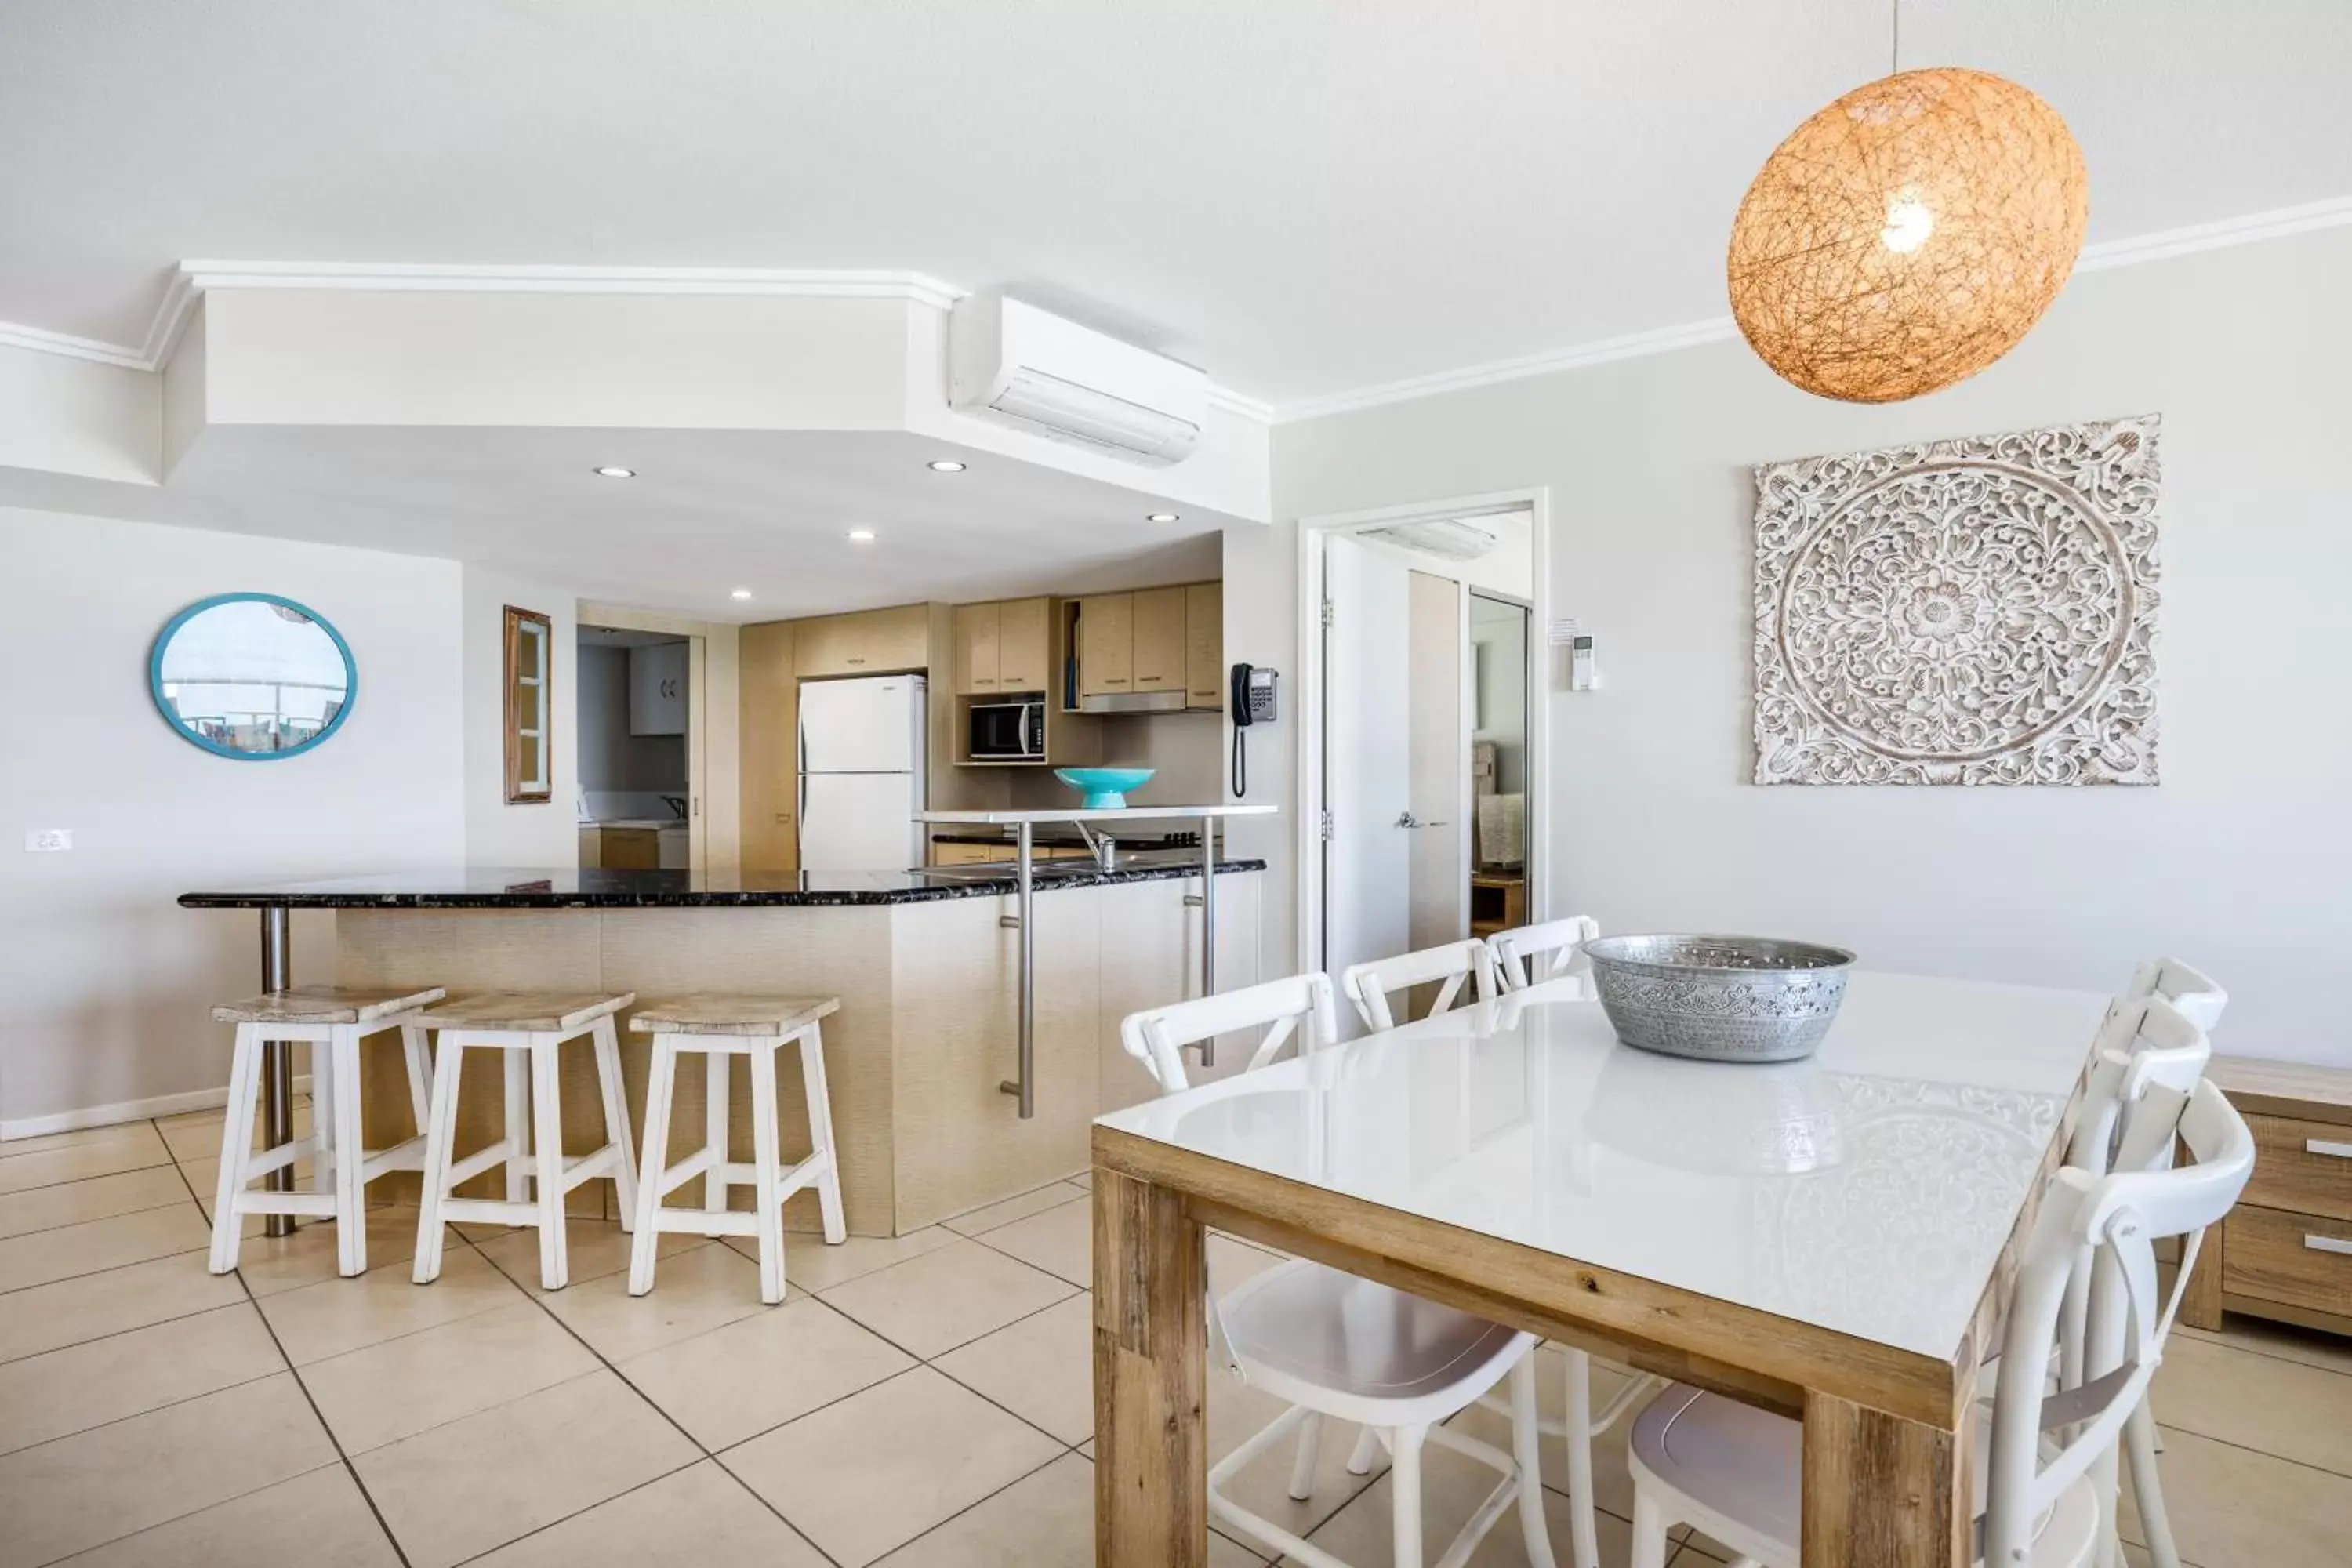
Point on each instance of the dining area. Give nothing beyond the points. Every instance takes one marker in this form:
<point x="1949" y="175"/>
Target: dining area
<point x="1877" y="1254"/>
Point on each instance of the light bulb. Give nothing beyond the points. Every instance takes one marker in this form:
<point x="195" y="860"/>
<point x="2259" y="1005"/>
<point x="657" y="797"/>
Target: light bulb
<point x="1909" y="222"/>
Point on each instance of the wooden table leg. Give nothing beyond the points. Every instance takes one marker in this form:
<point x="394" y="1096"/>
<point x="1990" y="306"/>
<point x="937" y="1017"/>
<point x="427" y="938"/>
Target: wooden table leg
<point x="1882" y="1491"/>
<point x="1152" y="1449"/>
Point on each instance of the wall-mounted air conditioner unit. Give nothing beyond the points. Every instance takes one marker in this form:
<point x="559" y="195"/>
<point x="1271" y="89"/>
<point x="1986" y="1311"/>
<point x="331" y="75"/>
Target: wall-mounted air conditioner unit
<point x="1020" y="366"/>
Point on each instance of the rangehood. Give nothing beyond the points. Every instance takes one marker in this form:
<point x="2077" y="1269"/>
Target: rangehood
<point x="1132" y="702"/>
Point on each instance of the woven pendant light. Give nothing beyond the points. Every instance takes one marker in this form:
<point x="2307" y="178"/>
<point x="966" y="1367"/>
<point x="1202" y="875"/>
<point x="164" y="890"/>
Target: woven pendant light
<point x="1908" y="235"/>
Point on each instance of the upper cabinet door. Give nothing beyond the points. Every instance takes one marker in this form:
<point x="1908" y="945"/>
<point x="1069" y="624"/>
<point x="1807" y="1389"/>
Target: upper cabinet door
<point x="870" y="642"/>
<point x="976" y="648"/>
<point x="657" y="680"/>
<point x="1160" y="639"/>
<point x="1024" y="644"/>
<point x="1205" y="646"/>
<point x="1106" y="643"/>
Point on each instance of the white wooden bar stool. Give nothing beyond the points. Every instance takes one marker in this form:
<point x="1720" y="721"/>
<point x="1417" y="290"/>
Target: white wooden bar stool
<point x="721" y="1026"/>
<point x="333" y="1020"/>
<point x="530" y="1027"/>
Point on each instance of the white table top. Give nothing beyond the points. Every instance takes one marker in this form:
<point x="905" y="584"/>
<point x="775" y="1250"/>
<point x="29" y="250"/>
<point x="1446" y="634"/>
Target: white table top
<point x="1099" y="814"/>
<point x="1868" y="1191"/>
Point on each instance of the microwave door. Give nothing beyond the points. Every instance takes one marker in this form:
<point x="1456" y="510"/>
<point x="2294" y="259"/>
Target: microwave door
<point x="1031" y="746"/>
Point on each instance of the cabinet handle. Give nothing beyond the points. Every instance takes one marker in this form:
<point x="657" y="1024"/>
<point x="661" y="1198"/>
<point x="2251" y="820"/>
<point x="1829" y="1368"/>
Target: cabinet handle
<point x="853" y="661"/>
<point x="2328" y="1244"/>
<point x="1150" y="679"/>
<point x="2324" y="1146"/>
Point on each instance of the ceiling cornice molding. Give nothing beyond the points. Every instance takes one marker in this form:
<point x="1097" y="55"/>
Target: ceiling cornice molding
<point x="66" y="346"/>
<point x="2279" y="223"/>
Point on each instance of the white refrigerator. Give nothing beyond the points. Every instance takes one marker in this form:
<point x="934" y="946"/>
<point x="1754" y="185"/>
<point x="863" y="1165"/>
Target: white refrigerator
<point x="863" y="755"/>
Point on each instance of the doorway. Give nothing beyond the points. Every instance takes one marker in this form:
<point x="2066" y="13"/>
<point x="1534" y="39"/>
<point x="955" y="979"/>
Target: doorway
<point x="639" y="743"/>
<point x="1421" y="754"/>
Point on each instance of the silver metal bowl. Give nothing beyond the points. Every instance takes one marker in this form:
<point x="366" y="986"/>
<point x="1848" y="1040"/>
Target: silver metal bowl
<point x="1719" y="998"/>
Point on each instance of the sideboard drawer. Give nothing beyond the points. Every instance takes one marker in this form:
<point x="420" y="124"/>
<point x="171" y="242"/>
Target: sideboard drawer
<point x="2302" y="1166"/>
<point x="2303" y="1260"/>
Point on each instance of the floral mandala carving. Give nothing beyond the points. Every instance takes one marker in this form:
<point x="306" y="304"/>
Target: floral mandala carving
<point x="1980" y="611"/>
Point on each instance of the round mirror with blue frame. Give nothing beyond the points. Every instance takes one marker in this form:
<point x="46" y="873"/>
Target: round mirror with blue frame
<point x="252" y="676"/>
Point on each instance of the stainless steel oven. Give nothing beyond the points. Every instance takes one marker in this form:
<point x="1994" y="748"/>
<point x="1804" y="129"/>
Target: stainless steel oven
<point x="1007" y="732"/>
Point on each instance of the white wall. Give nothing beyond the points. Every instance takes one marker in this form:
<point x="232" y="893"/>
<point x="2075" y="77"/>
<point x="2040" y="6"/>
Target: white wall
<point x="541" y="834"/>
<point x="107" y="981"/>
<point x="2239" y="861"/>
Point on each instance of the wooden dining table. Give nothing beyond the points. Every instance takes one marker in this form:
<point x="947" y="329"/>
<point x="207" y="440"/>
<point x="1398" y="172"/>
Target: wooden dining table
<point x="1831" y="1240"/>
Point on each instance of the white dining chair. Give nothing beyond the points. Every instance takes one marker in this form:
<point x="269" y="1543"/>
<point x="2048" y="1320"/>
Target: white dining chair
<point x="1736" y="1471"/>
<point x="1550" y="950"/>
<point x="1334" y="1345"/>
<point x="2190" y="990"/>
<point x="1451" y="967"/>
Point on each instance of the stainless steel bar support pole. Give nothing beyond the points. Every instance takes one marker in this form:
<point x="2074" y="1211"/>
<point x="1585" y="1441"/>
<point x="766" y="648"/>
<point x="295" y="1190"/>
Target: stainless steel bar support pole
<point x="1025" y="1086"/>
<point x="1209" y="926"/>
<point x="278" y="1061"/>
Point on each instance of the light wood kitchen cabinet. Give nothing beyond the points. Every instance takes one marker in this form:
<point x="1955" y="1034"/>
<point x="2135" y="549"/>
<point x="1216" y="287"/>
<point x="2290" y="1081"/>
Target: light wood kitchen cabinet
<point x="1158" y="631"/>
<point x="1106" y="643"/>
<point x="1205" y="646"/>
<point x="871" y="642"/>
<point x="631" y="849"/>
<point x="979" y="631"/>
<point x="1024" y="645"/>
<point x="769" y="725"/>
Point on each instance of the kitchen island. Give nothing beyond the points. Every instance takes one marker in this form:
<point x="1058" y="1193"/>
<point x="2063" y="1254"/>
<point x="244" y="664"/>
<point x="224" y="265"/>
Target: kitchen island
<point x="927" y="963"/>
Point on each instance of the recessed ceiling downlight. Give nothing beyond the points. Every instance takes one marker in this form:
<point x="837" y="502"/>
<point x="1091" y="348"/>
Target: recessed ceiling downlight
<point x="740" y="593"/>
<point x="1163" y="517"/>
<point x="861" y="535"/>
<point x="614" y="471"/>
<point x="945" y="466"/>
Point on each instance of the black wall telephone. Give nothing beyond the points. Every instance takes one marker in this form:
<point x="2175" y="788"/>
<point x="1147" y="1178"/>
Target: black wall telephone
<point x="1251" y="702"/>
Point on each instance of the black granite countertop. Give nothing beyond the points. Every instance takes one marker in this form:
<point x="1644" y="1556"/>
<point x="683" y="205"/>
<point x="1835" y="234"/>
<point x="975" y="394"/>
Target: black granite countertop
<point x="572" y="888"/>
<point x="1070" y="838"/>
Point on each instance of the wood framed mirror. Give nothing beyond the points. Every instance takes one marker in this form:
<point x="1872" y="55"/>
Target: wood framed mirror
<point x="531" y="706"/>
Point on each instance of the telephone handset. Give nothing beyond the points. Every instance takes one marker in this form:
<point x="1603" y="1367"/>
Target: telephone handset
<point x="1251" y="702"/>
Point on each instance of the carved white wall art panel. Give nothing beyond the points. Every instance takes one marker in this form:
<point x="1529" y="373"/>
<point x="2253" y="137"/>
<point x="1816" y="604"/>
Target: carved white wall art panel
<point x="1980" y="611"/>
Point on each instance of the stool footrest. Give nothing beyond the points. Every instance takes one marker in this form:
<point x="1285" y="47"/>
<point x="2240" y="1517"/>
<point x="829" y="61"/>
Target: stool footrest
<point x="488" y="1211"/>
<point x="262" y="1200"/>
<point x="604" y="1162"/>
<point x="685" y="1170"/>
<point x="285" y="1154"/>
<point x="707" y="1222"/>
<point x="481" y="1160"/>
<point x="406" y="1156"/>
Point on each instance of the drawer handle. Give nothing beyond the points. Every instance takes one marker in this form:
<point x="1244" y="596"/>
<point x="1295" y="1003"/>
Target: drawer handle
<point x="2328" y="1244"/>
<point x="2325" y="1146"/>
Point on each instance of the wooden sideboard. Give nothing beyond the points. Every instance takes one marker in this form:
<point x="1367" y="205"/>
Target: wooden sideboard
<point x="2286" y="1251"/>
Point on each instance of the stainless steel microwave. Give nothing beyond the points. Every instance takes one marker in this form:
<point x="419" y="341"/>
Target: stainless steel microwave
<point x="1007" y="732"/>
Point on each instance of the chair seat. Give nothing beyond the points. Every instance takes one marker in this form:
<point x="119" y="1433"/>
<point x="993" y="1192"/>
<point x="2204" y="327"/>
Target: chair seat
<point x="731" y="1013"/>
<point x="529" y="1012"/>
<point x="1747" y="1466"/>
<point x="326" y="1004"/>
<point x="1317" y="1336"/>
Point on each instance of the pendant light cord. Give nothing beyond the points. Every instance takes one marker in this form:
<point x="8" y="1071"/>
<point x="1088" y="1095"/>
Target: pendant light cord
<point x="1895" y="51"/>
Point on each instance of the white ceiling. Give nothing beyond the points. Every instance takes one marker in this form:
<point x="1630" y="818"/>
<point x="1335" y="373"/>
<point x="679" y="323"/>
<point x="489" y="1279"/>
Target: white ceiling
<point x="708" y="512"/>
<point x="1300" y="197"/>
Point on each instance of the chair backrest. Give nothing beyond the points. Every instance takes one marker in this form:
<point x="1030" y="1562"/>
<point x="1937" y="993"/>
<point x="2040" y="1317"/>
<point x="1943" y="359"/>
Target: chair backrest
<point x="2192" y="990"/>
<point x="1368" y="985"/>
<point x="2043" y="1442"/>
<point x="2144" y="1043"/>
<point x="1300" y="1004"/>
<point x="1529" y="955"/>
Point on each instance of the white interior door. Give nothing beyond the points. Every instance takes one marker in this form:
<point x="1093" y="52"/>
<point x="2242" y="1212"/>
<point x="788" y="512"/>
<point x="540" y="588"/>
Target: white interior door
<point x="1439" y="772"/>
<point x="1367" y="757"/>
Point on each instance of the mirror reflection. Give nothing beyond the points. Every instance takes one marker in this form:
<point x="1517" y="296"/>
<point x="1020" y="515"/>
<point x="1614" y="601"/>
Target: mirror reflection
<point x="252" y="676"/>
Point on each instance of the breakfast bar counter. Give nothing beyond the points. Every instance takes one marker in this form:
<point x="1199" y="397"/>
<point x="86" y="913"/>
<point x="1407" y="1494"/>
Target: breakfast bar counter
<point x="927" y="964"/>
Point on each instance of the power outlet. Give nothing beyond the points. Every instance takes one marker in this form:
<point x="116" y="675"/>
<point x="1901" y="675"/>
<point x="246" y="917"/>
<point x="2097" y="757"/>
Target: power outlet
<point x="48" y="840"/>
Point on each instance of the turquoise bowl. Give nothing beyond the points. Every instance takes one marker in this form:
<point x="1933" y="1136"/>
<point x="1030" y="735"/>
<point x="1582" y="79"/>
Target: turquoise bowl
<point x="1105" y="787"/>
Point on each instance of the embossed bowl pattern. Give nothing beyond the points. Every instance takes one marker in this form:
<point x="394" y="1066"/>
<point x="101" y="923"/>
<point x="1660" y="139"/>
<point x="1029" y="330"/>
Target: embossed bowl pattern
<point x="1719" y="998"/>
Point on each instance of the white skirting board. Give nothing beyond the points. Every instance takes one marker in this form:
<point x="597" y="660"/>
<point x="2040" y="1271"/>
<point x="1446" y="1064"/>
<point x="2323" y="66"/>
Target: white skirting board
<point x="126" y="1111"/>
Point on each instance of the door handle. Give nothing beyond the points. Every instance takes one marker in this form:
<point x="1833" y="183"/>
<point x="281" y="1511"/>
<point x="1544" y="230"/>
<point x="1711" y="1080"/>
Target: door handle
<point x="1407" y="819"/>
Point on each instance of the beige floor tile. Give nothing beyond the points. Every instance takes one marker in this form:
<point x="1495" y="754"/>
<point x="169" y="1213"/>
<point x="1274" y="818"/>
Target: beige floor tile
<point x="320" y="1519"/>
<point x="110" y="1481"/>
<point x="402" y="1386"/>
<point x="812" y="1265"/>
<point x="120" y="1135"/>
<point x="1060" y="1241"/>
<point x="196" y="1135"/>
<point x="1017" y="1207"/>
<point x="1613" y="1483"/>
<point x="2283" y="1341"/>
<point x="92" y="1306"/>
<point x="1452" y="1489"/>
<point x="871" y="1472"/>
<point x="99" y="1197"/>
<point x="1231" y="1262"/>
<point x="1084" y="1180"/>
<point x="1041" y="1368"/>
<point x="762" y="1371"/>
<point x="97" y="1245"/>
<point x="1238" y="1412"/>
<point x="456" y="1491"/>
<point x="203" y="1177"/>
<point x="594" y="1249"/>
<point x="698" y="1290"/>
<point x="945" y="1298"/>
<point x="2281" y="1407"/>
<point x="272" y="1264"/>
<point x="703" y="1516"/>
<point x="337" y="1316"/>
<point x="2234" y="1507"/>
<point x="1086" y="1449"/>
<point x="71" y="1390"/>
<point x="1043" y="1521"/>
<point x="80" y="1162"/>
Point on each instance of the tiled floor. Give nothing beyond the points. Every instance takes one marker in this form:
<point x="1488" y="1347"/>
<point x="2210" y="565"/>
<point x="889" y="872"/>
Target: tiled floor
<point x="921" y="1403"/>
